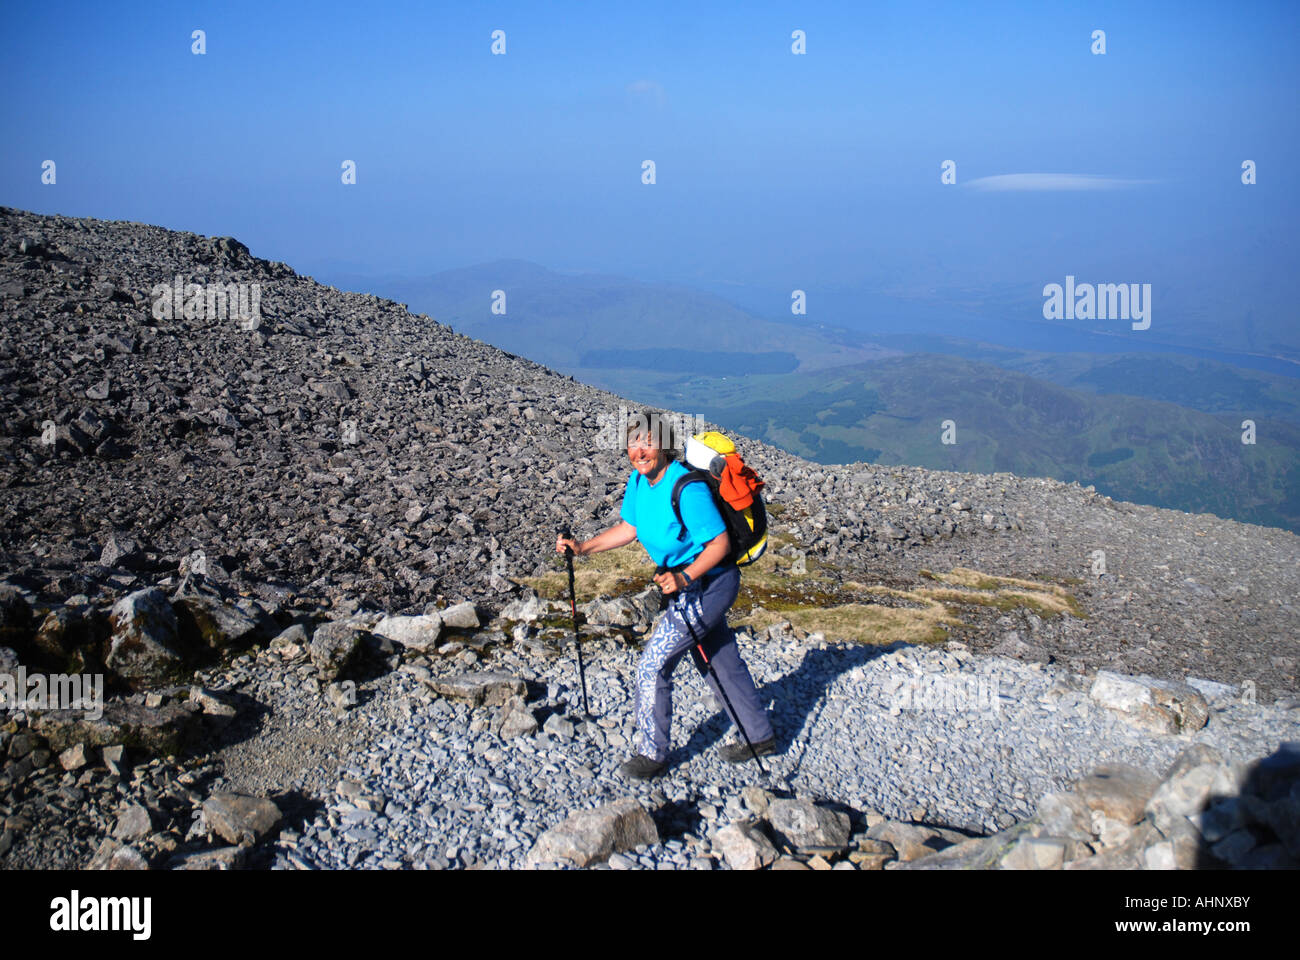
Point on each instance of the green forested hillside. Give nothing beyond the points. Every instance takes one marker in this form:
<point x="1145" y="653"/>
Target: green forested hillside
<point x="894" y="411"/>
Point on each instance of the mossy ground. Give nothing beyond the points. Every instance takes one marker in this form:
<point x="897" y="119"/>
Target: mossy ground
<point x="611" y="573"/>
<point x="1006" y="593"/>
<point x="814" y="597"/>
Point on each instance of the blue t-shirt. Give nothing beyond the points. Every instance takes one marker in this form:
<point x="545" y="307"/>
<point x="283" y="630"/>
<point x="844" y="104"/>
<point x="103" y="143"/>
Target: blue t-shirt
<point x="650" y="510"/>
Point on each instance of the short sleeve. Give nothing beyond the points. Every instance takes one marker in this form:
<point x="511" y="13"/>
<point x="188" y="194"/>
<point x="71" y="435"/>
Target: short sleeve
<point x="628" y="510"/>
<point x="699" y="513"/>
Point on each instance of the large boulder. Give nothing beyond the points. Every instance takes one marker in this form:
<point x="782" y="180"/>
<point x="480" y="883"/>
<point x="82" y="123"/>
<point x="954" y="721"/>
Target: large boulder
<point x="463" y="616"/>
<point x="206" y="621"/>
<point x="159" y="731"/>
<point x="1271" y="795"/>
<point x="1065" y="815"/>
<point x="1117" y="791"/>
<point x="144" y="645"/>
<point x="911" y="840"/>
<point x="1035" y="853"/>
<point x="334" y="646"/>
<point x="1128" y="853"/>
<point x="590" y="836"/>
<point x="1197" y="774"/>
<point x="804" y="825"/>
<point x="71" y="639"/>
<point x="486" y="688"/>
<point x="1155" y="706"/>
<point x="1204" y="812"/>
<point x="240" y="819"/>
<point x="415" y="633"/>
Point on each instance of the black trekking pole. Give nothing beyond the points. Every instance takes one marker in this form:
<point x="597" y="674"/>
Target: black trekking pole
<point x="573" y="607"/>
<point x="699" y="645"/>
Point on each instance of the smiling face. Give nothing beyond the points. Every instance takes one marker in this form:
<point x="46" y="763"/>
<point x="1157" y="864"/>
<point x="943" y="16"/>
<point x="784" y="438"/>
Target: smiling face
<point x="646" y="457"/>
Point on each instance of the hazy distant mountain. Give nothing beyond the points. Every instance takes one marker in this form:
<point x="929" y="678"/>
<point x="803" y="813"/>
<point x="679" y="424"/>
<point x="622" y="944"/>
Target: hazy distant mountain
<point x="1161" y="428"/>
<point x="572" y="322"/>
<point x="1190" y="381"/>
<point x="893" y="411"/>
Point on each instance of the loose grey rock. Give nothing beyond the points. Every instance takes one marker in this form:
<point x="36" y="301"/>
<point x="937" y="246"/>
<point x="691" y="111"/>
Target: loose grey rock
<point x="1035" y="853"/>
<point x="121" y="551"/>
<point x="803" y="824"/>
<point x="519" y="724"/>
<point x="240" y="819"/>
<point x="212" y="703"/>
<point x="333" y="647"/>
<point x="744" y="846"/>
<point x="144" y="639"/>
<point x="589" y="836"/>
<point x="462" y="616"/>
<point x="74" y="758"/>
<point x="557" y="726"/>
<point x="911" y="841"/>
<point x="159" y="731"/>
<point x="1065" y="815"/>
<point x="416" y="633"/>
<point x="212" y="623"/>
<point x="1118" y="791"/>
<point x="332" y="389"/>
<point x="222" y="858"/>
<point x="133" y="823"/>
<point x="486" y="688"/>
<point x="527" y="609"/>
<point x="113" y="855"/>
<point x="757" y="800"/>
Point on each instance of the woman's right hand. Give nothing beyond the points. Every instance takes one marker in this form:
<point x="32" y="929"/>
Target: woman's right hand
<point x="561" y="542"/>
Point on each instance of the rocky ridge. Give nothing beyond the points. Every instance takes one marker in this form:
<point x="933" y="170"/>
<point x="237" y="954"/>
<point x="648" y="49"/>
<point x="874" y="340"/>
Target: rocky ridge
<point x="328" y="516"/>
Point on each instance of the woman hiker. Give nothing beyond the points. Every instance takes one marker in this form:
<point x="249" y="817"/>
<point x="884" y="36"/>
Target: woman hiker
<point x="696" y="566"/>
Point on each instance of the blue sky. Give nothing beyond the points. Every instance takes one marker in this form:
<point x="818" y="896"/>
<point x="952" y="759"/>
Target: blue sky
<point x="774" y="171"/>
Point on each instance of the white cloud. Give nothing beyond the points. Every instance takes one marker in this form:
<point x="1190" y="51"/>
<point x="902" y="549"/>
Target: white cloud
<point x="1051" y="181"/>
<point x="647" y="91"/>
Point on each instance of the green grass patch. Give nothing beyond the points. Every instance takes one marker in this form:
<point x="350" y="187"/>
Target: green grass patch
<point x="611" y="573"/>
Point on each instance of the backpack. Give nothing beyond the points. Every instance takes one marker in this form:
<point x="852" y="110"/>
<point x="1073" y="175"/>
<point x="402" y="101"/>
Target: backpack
<point x="711" y="459"/>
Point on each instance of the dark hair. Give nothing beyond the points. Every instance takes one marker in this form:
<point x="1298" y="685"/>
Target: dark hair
<point x="660" y="427"/>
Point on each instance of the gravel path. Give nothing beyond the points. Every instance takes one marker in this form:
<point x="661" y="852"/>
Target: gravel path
<point x="949" y="738"/>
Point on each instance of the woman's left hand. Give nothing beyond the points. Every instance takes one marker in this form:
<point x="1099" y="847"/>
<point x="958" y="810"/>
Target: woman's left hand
<point x="670" y="582"/>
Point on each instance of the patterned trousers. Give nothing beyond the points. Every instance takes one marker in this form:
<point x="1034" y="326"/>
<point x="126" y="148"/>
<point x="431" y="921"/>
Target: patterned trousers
<point x="695" y="614"/>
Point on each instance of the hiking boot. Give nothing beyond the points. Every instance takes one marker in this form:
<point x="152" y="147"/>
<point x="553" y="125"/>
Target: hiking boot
<point x="739" y="752"/>
<point x="642" y="768"/>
